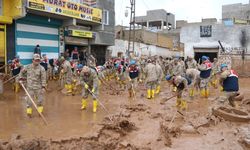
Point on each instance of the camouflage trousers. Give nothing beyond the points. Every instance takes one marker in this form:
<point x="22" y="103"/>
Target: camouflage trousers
<point x="85" y="92"/>
<point x="229" y="96"/>
<point x="36" y="95"/>
<point x="151" y="85"/>
<point x="204" y="82"/>
<point x="132" y="84"/>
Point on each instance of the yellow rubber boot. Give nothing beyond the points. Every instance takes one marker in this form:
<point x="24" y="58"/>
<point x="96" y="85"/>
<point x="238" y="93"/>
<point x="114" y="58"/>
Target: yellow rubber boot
<point x="148" y="93"/>
<point x="40" y="109"/>
<point x="84" y="104"/>
<point x="94" y="106"/>
<point x="191" y="92"/>
<point x="206" y="93"/>
<point x="158" y="88"/>
<point x="17" y="87"/>
<point x="178" y="102"/>
<point x="183" y="105"/>
<point x="203" y="92"/>
<point x="153" y="93"/>
<point x="70" y="87"/>
<point x="221" y="88"/>
<point x="29" y="111"/>
<point x="66" y="86"/>
<point x="215" y="83"/>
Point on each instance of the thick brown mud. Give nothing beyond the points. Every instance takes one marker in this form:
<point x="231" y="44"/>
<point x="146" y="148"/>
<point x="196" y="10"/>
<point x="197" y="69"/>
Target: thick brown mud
<point x="137" y="123"/>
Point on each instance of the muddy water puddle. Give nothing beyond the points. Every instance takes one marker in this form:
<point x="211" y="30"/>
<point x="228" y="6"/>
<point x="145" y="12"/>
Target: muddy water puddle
<point x="62" y="113"/>
<point x="66" y="120"/>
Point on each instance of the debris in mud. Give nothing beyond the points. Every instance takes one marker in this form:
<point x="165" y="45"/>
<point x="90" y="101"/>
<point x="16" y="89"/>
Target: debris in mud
<point x="20" y="144"/>
<point x="187" y="128"/>
<point x="200" y="122"/>
<point x="244" y="133"/>
<point x="114" y="93"/>
<point x="231" y="114"/>
<point x="202" y="131"/>
<point x="125" y="145"/>
<point x="167" y="133"/>
<point x="155" y="115"/>
<point x="120" y="125"/>
<point x="136" y="107"/>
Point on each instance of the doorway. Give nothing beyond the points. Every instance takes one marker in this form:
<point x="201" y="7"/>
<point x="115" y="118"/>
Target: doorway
<point x="211" y="55"/>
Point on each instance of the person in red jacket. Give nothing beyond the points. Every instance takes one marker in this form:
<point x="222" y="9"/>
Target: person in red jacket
<point x="229" y="82"/>
<point x="75" y="54"/>
<point x="16" y="67"/>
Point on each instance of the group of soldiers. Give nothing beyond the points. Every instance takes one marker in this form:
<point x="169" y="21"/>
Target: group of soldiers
<point x="188" y="75"/>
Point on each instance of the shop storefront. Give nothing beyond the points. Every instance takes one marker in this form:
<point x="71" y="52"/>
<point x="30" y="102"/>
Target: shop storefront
<point x="34" y="30"/>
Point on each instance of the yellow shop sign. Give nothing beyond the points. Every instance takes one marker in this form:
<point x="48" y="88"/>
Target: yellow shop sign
<point x="80" y="33"/>
<point x="66" y="8"/>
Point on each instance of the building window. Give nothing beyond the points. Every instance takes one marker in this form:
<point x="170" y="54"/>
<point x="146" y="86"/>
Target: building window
<point x="206" y="31"/>
<point x="105" y="17"/>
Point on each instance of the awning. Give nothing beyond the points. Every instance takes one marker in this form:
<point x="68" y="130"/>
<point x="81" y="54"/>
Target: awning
<point x="206" y="47"/>
<point x="76" y="41"/>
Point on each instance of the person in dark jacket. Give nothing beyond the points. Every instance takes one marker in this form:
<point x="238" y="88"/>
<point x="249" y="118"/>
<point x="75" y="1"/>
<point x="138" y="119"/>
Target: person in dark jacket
<point x="229" y="82"/>
<point x="37" y="50"/>
<point x="205" y="72"/>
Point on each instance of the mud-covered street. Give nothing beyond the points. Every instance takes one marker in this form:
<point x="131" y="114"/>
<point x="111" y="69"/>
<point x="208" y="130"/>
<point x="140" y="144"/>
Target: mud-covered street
<point x="136" y="123"/>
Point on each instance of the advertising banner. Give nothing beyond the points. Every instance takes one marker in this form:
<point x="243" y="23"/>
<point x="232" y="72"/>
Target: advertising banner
<point x="66" y="8"/>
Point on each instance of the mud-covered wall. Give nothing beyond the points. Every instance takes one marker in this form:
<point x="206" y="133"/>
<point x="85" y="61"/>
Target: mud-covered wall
<point x="241" y="66"/>
<point x="231" y="37"/>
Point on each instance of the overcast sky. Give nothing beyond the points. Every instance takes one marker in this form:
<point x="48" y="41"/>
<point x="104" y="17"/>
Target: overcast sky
<point x="191" y="10"/>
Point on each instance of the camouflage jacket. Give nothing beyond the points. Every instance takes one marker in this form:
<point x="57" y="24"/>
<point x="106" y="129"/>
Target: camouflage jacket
<point x="35" y="75"/>
<point x="91" y="80"/>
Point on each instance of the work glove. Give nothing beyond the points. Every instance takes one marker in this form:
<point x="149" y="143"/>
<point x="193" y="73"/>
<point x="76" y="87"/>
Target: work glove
<point x="221" y="88"/>
<point x="86" y="86"/>
<point x="93" y="90"/>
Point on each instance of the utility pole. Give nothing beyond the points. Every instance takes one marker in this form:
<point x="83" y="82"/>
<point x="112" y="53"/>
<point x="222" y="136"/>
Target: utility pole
<point x="132" y="22"/>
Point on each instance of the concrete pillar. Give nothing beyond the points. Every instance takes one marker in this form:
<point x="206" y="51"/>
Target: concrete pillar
<point x="162" y="25"/>
<point x="147" y="24"/>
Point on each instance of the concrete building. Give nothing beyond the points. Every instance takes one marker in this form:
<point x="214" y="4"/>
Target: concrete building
<point x="9" y="10"/>
<point x="157" y="20"/>
<point x="67" y="24"/>
<point x="170" y="39"/>
<point x="147" y="43"/>
<point x="202" y="39"/>
<point x="120" y="47"/>
<point x="239" y="13"/>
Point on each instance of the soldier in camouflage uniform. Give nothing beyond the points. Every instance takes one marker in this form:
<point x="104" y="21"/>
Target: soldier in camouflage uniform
<point x="36" y="82"/>
<point x="177" y="70"/>
<point x="89" y="80"/>
<point x="194" y="76"/>
<point x="215" y="71"/>
<point x="151" y="79"/>
<point x="142" y="65"/>
<point x="191" y="63"/>
<point x="182" y="85"/>
<point x="159" y="76"/>
<point x="67" y="75"/>
<point x="205" y="71"/>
